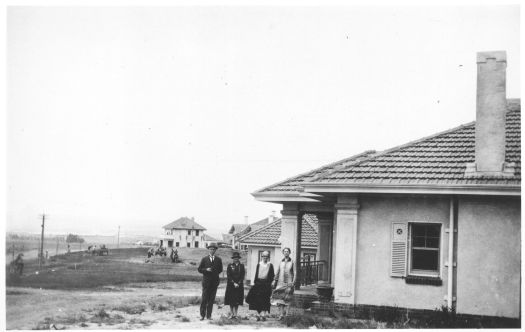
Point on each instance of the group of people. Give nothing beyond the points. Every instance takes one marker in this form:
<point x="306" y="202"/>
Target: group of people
<point x="270" y="286"/>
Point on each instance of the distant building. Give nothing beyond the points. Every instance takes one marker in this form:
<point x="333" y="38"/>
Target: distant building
<point x="183" y="232"/>
<point x="208" y="239"/>
<point x="238" y="230"/>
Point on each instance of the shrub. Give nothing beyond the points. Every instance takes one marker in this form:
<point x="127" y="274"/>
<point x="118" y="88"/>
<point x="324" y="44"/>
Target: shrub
<point x="389" y="315"/>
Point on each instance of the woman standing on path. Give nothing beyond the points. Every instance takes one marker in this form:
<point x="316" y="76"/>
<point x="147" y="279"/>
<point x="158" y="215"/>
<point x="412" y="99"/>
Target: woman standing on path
<point x="259" y="295"/>
<point x="284" y="283"/>
<point x="234" y="288"/>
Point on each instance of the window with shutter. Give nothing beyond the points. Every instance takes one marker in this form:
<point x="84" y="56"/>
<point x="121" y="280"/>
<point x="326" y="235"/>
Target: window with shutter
<point x="398" y="262"/>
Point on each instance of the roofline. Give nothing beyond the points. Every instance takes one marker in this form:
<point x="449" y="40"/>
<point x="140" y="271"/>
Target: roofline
<point x="461" y="189"/>
<point x="165" y="227"/>
<point x="364" y="153"/>
<point x="255" y="231"/>
<point x="274" y="245"/>
<point x="286" y="196"/>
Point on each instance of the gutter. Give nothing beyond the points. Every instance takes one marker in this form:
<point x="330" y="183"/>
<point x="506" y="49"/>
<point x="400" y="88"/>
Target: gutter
<point x="465" y="189"/>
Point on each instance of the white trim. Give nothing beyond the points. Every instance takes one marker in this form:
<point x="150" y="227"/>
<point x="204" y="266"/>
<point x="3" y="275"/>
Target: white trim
<point x="504" y="190"/>
<point x="425" y="273"/>
<point x="450" y="271"/>
<point x="288" y="196"/>
<point x="273" y="245"/>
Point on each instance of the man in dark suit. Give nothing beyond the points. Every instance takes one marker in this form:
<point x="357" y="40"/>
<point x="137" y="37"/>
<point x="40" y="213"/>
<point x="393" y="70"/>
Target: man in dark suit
<point x="210" y="267"/>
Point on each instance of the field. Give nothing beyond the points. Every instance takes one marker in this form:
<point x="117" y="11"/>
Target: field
<point x="119" y="291"/>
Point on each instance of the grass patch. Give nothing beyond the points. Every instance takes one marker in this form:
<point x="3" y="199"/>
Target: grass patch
<point x="314" y="321"/>
<point x="83" y="271"/>
<point x="185" y="319"/>
<point x="102" y="317"/>
<point x="137" y="321"/>
<point x="131" y="309"/>
<point x="15" y="292"/>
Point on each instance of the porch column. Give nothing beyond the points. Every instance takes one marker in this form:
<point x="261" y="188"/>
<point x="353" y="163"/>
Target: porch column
<point x="288" y="239"/>
<point x="346" y="247"/>
<point x="324" y="247"/>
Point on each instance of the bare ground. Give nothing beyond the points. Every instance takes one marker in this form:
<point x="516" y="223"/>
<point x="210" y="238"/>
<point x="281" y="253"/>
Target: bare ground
<point x="160" y="305"/>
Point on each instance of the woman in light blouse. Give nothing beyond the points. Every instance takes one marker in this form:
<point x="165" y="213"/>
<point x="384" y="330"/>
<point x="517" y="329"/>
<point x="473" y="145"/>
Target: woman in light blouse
<point x="284" y="282"/>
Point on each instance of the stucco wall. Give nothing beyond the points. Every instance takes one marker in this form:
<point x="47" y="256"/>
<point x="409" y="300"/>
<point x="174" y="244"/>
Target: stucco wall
<point x="181" y="236"/>
<point x="489" y="255"/>
<point x="275" y="257"/>
<point x="253" y="258"/>
<point x="374" y="285"/>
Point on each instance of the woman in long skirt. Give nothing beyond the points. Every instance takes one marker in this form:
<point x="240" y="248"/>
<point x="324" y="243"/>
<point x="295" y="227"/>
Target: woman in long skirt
<point x="259" y="295"/>
<point x="234" y="288"/>
<point x="284" y="282"/>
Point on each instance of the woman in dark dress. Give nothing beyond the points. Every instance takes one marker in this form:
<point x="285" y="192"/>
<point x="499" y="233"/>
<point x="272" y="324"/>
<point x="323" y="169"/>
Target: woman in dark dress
<point x="234" y="288"/>
<point x="260" y="293"/>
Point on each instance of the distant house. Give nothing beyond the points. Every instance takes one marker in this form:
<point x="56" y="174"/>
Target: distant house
<point x="434" y="222"/>
<point x="208" y="239"/>
<point x="183" y="232"/>
<point x="269" y="238"/>
<point x="238" y="230"/>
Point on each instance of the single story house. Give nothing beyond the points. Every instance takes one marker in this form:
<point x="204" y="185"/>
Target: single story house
<point x="433" y="222"/>
<point x="269" y="238"/>
<point x="207" y="240"/>
<point x="238" y="230"/>
<point x="183" y="232"/>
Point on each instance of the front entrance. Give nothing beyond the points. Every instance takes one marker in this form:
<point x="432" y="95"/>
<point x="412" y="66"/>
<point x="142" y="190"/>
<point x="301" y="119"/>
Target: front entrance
<point x="170" y="243"/>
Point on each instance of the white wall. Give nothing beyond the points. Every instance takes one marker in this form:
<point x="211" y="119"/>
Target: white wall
<point x="181" y="236"/>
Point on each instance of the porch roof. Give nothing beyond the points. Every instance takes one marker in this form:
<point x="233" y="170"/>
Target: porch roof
<point x="436" y="161"/>
<point x="270" y="234"/>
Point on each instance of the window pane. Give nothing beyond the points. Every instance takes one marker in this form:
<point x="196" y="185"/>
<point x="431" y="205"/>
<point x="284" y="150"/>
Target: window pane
<point x="418" y="230"/>
<point x="433" y="242"/>
<point x="425" y="259"/>
<point x="418" y="241"/>
<point x="433" y="230"/>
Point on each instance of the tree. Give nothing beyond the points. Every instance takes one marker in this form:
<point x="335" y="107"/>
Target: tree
<point x="73" y="238"/>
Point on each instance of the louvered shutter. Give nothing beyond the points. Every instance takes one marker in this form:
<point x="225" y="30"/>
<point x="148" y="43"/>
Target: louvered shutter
<point x="398" y="260"/>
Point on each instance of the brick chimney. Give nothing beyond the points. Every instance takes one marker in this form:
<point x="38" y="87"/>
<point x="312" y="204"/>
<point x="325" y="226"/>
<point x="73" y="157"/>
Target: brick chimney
<point x="246" y="220"/>
<point x="491" y="109"/>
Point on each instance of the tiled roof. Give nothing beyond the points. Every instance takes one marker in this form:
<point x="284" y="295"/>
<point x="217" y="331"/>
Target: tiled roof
<point x="294" y="183"/>
<point x="236" y="228"/>
<point x="440" y="159"/>
<point x="183" y="223"/>
<point x="270" y="234"/>
<point x="209" y="238"/>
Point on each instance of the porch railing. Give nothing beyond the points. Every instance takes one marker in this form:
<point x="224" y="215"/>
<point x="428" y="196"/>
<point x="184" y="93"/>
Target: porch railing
<point x="311" y="272"/>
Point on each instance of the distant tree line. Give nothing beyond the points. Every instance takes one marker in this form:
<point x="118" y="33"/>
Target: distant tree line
<point x="73" y="238"/>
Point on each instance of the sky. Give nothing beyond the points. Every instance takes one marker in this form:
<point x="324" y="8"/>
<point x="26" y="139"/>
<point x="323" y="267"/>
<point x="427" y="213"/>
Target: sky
<point x="136" y="116"/>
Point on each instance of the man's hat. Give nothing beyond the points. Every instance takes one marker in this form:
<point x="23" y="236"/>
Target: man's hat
<point x="213" y="245"/>
<point x="236" y="255"/>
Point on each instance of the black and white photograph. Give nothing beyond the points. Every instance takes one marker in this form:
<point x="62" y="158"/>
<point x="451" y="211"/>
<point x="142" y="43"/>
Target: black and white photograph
<point x="262" y="165"/>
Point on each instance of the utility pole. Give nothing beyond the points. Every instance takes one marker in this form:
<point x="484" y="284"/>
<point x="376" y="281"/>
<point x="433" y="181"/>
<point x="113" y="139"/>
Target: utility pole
<point x="42" y="242"/>
<point x="57" y="247"/>
<point x="118" y="237"/>
<point x="13" y="251"/>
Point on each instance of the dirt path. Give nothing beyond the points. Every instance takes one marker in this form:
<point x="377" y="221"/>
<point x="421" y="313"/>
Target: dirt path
<point x="166" y="305"/>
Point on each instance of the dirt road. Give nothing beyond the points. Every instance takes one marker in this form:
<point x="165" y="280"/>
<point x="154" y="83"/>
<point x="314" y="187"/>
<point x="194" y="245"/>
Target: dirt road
<point x="162" y="305"/>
